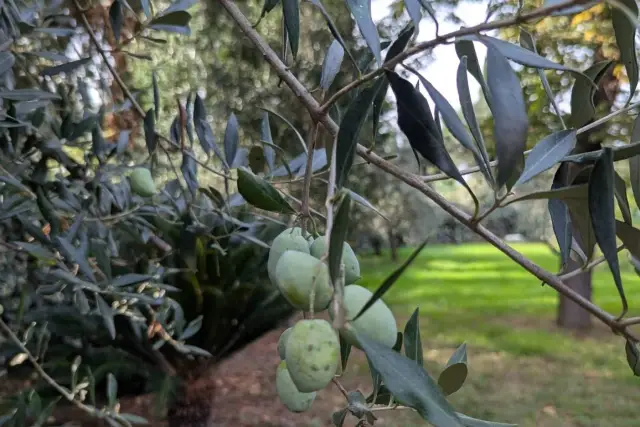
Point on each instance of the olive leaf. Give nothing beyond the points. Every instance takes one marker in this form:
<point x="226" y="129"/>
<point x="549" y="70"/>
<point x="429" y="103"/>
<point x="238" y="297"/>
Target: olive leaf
<point x="412" y="341"/>
<point x="547" y="153"/>
<point x="511" y="122"/>
<point x="259" y="193"/>
<point x="338" y="236"/>
<point x="391" y="279"/>
<point x="361" y="11"/>
<point x="625" y="32"/>
<point x="602" y="213"/>
<point x="455" y="373"/>
<point x="231" y="139"/>
<point x="582" y="107"/>
<point x="410" y="384"/>
<point x="349" y="132"/>
<point x="291" y="13"/>
<point x="331" y="64"/>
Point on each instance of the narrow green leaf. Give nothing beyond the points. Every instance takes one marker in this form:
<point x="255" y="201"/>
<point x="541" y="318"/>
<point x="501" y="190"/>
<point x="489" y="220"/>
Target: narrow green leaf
<point x="456" y="371"/>
<point x="412" y="340"/>
<point x="397" y="347"/>
<point x="361" y="11"/>
<point x="331" y="64"/>
<point x="528" y="42"/>
<point x="547" y="153"/>
<point x="112" y="389"/>
<point x="6" y="62"/>
<point x="178" y="18"/>
<point x="466" y="48"/>
<point x="259" y="193"/>
<point x="466" y="105"/>
<point x="130" y="279"/>
<point x="414" y="10"/>
<point x="150" y="131"/>
<point x="582" y="93"/>
<point x="633" y="357"/>
<point x="115" y="19"/>
<point x="521" y="55"/>
<point x="364" y="202"/>
<point x="630" y="236"/>
<point x="231" y="139"/>
<point x="156" y="94"/>
<point x="267" y="7"/>
<point x="560" y="218"/>
<point x="203" y="130"/>
<point x="397" y="47"/>
<point x="391" y="279"/>
<point x="146" y="7"/>
<point x="338" y="417"/>
<point x="338" y="236"/>
<point x="27" y="95"/>
<point x="625" y="32"/>
<point x="410" y="384"/>
<point x="192" y="328"/>
<point x="345" y="351"/>
<point x="511" y="123"/>
<point x="291" y="13"/>
<point x="77" y="256"/>
<point x="65" y="68"/>
<point x="602" y="213"/>
<point x="634" y="162"/>
<point x="107" y="315"/>
<point x="349" y="132"/>
<point x="620" y="191"/>
<point x="569" y="193"/>
<point x="37" y="251"/>
<point x="417" y="123"/>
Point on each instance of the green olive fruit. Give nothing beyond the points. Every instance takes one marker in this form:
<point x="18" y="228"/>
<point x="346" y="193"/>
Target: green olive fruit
<point x="377" y="323"/>
<point x="282" y="342"/>
<point x="296" y="274"/>
<point x="289" y="395"/>
<point x="289" y="240"/>
<point x="312" y="354"/>
<point x="142" y="182"/>
<point x="349" y="259"/>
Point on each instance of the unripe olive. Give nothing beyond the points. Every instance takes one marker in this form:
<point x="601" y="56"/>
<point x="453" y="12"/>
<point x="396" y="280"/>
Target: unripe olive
<point x="349" y="259"/>
<point x="282" y="342"/>
<point x="289" y="240"/>
<point x="312" y="354"/>
<point x="297" y="273"/>
<point x="377" y="323"/>
<point x="289" y="395"/>
<point x="142" y="182"/>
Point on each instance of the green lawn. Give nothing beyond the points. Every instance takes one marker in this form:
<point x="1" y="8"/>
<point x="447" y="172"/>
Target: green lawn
<point x="522" y="368"/>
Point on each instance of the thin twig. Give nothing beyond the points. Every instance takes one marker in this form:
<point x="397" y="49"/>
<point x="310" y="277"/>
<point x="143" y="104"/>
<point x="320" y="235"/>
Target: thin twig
<point x="67" y="394"/>
<point x="587" y="267"/>
<point x="415" y="181"/>
<point x="341" y="388"/>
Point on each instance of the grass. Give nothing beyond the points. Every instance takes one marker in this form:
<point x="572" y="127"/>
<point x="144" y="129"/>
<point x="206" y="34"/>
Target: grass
<point x="522" y="368"/>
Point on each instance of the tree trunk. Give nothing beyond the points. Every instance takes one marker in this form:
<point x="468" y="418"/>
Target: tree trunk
<point x="570" y="314"/>
<point x="393" y="244"/>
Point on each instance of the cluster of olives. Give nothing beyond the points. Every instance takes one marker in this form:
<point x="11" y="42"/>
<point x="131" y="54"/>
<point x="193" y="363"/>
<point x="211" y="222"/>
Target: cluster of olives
<point x="310" y="350"/>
